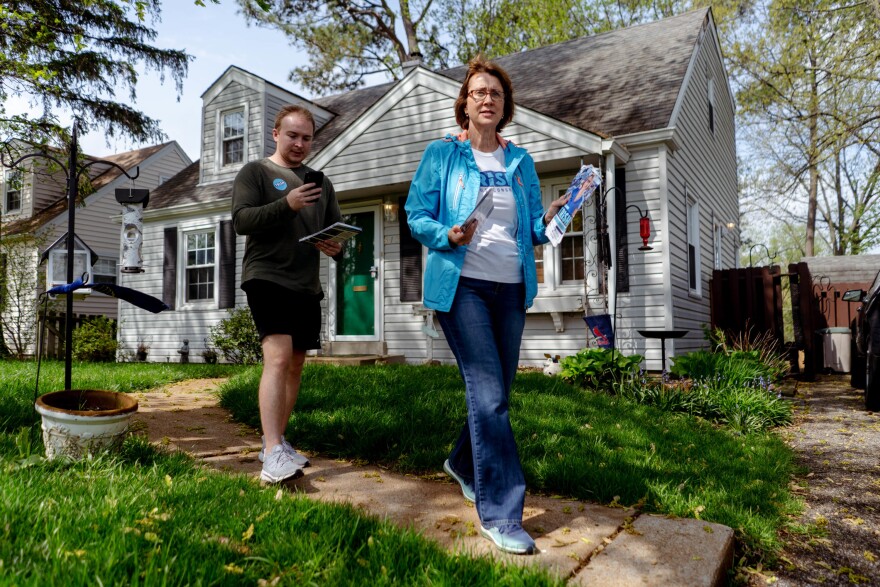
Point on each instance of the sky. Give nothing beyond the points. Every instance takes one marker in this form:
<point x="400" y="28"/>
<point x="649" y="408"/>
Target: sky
<point x="217" y="37"/>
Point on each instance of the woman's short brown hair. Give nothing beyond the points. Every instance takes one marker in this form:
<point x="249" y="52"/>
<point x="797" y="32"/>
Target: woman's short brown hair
<point x="480" y="65"/>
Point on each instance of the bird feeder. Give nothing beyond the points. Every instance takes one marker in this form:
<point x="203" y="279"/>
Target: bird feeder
<point x="133" y="203"/>
<point x="56" y="269"/>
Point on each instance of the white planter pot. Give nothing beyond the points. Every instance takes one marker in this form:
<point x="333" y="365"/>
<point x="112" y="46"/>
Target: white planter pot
<point x="78" y="422"/>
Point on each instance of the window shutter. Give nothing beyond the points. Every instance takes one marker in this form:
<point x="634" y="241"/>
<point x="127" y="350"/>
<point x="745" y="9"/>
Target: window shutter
<point x="410" y="259"/>
<point x="169" y="268"/>
<point x="621" y="254"/>
<point x="226" y="293"/>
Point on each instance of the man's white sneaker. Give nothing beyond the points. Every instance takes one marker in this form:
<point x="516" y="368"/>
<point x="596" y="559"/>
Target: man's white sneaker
<point x="279" y="465"/>
<point x="299" y="458"/>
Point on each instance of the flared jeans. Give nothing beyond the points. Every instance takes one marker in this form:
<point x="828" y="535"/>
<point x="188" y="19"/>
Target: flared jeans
<point x="484" y="328"/>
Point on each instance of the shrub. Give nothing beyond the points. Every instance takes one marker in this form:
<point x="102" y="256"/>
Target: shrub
<point x="595" y="368"/>
<point x="95" y="340"/>
<point x="237" y="338"/>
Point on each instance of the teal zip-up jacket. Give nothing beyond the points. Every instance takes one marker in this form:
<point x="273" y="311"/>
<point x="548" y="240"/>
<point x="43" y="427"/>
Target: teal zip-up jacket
<point x="444" y="191"/>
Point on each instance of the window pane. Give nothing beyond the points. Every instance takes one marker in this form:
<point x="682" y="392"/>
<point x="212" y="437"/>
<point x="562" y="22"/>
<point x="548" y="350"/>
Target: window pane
<point x="233" y="151"/>
<point x="577" y="223"/>
<point x="13" y="190"/>
<point x="572" y="258"/>
<point x="233" y="124"/>
<point x="200" y="256"/>
<point x="539" y="262"/>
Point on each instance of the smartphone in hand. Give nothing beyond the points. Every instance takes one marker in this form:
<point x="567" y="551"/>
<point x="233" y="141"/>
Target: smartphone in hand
<point x="315" y="177"/>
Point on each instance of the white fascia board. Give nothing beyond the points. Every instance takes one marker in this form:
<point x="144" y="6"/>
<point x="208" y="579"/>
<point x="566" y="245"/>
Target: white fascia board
<point x="621" y="154"/>
<point x="667" y="136"/>
<point x="531" y="119"/>
<point x="258" y="84"/>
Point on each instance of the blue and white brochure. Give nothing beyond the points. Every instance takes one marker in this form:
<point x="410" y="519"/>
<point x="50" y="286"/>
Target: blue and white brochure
<point x="581" y="190"/>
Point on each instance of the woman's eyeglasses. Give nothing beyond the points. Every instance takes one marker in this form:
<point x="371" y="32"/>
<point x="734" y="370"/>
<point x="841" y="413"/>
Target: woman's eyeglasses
<point x="480" y="95"/>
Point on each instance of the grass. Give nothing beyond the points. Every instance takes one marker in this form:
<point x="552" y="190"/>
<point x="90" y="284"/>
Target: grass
<point x="144" y="517"/>
<point x="149" y="518"/>
<point x="586" y="445"/>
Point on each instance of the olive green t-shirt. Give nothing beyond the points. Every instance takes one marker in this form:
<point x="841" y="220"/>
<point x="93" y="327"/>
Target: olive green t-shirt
<point x="260" y="211"/>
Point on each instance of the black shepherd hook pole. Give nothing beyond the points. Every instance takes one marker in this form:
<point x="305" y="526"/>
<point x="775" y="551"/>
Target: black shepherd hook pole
<point x="72" y="173"/>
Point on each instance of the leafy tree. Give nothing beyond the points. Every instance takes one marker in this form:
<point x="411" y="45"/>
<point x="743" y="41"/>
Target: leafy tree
<point x="72" y="56"/>
<point x="807" y="75"/>
<point x="348" y="40"/>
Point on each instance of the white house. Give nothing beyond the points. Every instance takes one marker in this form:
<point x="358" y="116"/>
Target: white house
<point x="35" y="216"/>
<point x="649" y="105"/>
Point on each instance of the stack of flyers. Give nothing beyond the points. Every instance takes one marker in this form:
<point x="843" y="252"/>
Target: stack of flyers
<point x="581" y="189"/>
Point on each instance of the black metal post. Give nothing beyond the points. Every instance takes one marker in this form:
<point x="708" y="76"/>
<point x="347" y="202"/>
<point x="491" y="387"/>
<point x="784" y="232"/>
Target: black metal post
<point x="72" y="181"/>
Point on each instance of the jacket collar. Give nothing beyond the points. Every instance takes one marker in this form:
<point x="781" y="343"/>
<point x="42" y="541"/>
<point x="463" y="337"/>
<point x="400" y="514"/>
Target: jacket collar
<point x="463" y="136"/>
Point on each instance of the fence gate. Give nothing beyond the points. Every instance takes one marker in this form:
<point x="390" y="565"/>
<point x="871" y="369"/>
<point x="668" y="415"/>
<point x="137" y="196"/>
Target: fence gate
<point x="749" y="302"/>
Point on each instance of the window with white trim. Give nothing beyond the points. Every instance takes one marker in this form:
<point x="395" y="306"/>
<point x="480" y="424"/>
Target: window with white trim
<point x="12" y="185"/>
<point x="693" y="245"/>
<point x="104" y="270"/>
<point x="562" y="265"/>
<point x="199" y="254"/>
<point x="711" y="102"/>
<point x="232" y="137"/>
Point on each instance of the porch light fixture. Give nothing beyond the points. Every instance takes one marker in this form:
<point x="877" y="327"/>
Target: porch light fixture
<point x="389" y="210"/>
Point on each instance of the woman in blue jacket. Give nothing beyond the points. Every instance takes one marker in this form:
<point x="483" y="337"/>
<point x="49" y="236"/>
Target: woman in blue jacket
<point x="480" y="281"/>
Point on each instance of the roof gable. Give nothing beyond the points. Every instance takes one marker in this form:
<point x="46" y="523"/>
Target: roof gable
<point x="616" y="83"/>
<point x="419" y="109"/>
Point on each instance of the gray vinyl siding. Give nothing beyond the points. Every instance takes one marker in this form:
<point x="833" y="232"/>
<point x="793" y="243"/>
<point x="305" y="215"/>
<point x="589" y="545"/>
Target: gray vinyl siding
<point x="642" y="307"/>
<point x="713" y="186"/>
<point x="389" y="151"/>
<point x="233" y="97"/>
<point x="166" y="330"/>
<point x="98" y="223"/>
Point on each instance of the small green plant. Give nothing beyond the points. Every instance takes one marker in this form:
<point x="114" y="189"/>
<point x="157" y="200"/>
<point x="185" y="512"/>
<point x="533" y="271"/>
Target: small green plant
<point x="209" y="354"/>
<point x="95" y="340"/>
<point x="595" y="368"/>
<point x="237" y="338"/>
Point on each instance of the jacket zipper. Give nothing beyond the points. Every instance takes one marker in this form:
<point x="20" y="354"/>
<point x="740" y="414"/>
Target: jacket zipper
<point x="458" y="189"/>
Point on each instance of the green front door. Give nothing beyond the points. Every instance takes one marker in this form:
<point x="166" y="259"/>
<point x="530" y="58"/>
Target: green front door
<point x="356" y="278"/>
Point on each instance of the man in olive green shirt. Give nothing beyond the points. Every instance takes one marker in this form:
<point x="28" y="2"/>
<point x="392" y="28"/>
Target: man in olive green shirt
<point x="274" y="208"/>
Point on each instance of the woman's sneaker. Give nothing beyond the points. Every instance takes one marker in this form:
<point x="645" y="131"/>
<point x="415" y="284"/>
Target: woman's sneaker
<point x="467" y="489"/>
<point x="279" y="466"/>
<point x="299" y="458"/>
<point x="510" y="538"/>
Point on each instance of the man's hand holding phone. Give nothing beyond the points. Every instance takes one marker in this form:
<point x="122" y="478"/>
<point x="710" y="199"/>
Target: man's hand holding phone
<point x="308" y="193"/>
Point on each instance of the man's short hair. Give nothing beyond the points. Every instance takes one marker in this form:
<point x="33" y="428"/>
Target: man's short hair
<point x="294" y="109"/>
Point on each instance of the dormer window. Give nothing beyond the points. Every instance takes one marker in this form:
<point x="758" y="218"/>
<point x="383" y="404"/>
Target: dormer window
<point x="232" y="133"/>
<point x="12" y="188"/>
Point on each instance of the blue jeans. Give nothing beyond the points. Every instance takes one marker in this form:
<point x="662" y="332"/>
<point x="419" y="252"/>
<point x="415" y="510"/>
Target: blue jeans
<point x="484" y="328"/>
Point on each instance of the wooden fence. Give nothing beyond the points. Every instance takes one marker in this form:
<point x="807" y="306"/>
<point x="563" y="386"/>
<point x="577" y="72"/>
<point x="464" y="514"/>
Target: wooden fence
<point x="750" y="302"/>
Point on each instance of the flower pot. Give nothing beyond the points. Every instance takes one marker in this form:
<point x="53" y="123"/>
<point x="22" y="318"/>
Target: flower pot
<point x="78" y="422"/>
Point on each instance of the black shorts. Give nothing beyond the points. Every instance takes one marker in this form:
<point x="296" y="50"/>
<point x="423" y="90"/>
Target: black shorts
<point x="278" y="310"/>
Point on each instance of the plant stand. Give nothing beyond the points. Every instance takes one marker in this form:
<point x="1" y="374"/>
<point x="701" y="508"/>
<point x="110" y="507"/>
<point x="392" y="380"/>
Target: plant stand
<point x="78" y="422"/>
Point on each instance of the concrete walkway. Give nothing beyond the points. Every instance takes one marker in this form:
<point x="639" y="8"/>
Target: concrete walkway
<point x="585" y="543"/>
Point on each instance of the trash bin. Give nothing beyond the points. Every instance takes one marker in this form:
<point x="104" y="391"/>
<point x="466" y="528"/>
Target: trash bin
<point x="836" y="348"/>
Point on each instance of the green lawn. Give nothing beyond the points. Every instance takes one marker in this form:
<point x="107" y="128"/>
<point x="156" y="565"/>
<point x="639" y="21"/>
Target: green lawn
<point x="148" y="518"/>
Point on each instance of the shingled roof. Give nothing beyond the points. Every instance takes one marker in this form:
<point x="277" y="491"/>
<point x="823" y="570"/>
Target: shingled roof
<point x="612" y="84"/>
<point x="616" y="83"/>
<point x="104" y="175"/>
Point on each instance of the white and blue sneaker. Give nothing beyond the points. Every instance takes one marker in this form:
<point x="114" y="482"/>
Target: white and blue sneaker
<point x="279" y="466"/>
<point x="467" y="489"/>
<point x="510" y="538"/>
<point x="299" y="458"/>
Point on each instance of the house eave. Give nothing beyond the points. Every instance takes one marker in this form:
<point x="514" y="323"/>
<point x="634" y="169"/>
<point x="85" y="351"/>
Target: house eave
<point x="666" y="136"/>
